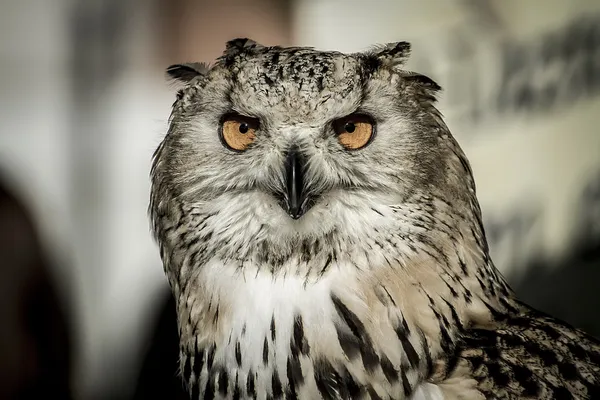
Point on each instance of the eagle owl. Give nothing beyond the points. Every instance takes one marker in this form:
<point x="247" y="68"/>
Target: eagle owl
<point x="321" y="234"/>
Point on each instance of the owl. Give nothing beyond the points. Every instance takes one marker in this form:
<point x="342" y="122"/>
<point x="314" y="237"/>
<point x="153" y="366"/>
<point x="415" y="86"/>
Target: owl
<point x="321" y="234"/>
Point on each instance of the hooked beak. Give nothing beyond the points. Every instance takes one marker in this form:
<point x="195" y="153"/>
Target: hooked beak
<point x="295" y="199"/>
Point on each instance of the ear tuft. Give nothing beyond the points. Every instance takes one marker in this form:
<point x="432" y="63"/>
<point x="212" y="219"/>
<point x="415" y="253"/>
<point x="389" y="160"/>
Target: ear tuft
<point x="236" y="46"/>
<point x="186" y="72"/>
<point x="392" y="55"/>
<point x="422" y="80"/>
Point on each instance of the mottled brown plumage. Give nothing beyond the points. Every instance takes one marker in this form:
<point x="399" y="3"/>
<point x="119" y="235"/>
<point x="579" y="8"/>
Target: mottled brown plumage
<point x="309" y="263"/>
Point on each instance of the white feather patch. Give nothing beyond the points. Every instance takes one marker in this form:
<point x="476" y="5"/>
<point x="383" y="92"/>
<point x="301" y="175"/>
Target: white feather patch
<point x="428" y="391"/>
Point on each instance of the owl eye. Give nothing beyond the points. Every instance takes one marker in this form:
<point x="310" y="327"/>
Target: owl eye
<point x="354" y="131"/>
<point x="238" y="132"/>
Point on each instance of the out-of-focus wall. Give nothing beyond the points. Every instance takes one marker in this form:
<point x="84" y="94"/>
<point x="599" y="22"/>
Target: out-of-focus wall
<point x="34" y="99"/>
<point x="521" y="94"/>
<point x="81" y="110"/>
<point x="196" y="30"/>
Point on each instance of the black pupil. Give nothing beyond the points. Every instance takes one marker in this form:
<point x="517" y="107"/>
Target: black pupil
<point x="244" y="127"/>
<point x="349" y="127"/>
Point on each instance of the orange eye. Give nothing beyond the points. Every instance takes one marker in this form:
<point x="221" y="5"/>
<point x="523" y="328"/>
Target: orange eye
<point x="354" y="131"/>
<point x="238" y="132"/>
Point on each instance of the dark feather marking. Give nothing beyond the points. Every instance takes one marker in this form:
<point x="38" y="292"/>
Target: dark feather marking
<point x="453" y="291"/>
<point x="327" y="264"/>
<point x="276" y="387"/>
<point x="425" y="347"/>
<point x="294" y="376"/>
<point x="405" y="384"/>
<point x="369" y="356"/>
<point x="298" y="343"/>
<point x="238" y="354"/>
<point x="209" y="392"/>
<point x="476" y="362"/>
<point x="250" y="387"/>
<point x="198" y="363"/>
<point x="371" y="64"/>
<point x="223" y="381"/>
<point x="236" y="391"/>
<point x="210" y="357"/>
<point x="266" y="351"/>
<point x="388" y="370"/>
<point x="328" y="380"/>
<point x="451" y="364"/>
<point x="348" y="342"/>
<point x="577" y="351"/>
<point x="500" y="377"/>
<point x="594" y="357"/>
<point x="446" y="341"/>
<point x="390" y="296"/>
<point x="187" y="368"/>
<point x="568" y="371"/>
<point x="455" y="318"/>
<point x="403" y="332"/>
<point x="189" y="321"/>
<point x="377" y="211"/>
<point x="468" y="296"/>
<point x="273" y="327"/>
<point x="351" y="390"/>
<point x="290" y="395"/>
<point x="526" y="379"/>
<point x="196" y="391"/>
<point x="373" y="394"/>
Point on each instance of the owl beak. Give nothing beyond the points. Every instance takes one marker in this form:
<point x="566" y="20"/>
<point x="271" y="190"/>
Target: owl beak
<point x="295" y="198"/>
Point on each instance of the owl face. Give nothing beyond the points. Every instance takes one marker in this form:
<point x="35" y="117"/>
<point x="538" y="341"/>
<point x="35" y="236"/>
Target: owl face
<point x="300" y="141"/>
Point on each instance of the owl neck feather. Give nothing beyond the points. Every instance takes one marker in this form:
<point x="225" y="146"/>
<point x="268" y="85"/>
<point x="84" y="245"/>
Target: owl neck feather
<point x="382" y="311"/>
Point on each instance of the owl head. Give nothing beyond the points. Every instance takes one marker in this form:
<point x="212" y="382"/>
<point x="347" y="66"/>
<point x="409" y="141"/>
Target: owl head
<point x="272" y="146"/>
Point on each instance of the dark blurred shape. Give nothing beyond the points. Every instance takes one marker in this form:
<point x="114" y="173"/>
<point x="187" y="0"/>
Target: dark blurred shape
<point x="569" y="290"/>
<point x="159" y="376"/>
<point x="34" y="335"/>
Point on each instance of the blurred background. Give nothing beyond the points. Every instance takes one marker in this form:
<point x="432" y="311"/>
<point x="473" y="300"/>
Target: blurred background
<point x="85" y="309"/>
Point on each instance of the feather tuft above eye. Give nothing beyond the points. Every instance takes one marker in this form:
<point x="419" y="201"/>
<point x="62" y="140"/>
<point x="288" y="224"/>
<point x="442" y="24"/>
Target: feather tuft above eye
<point x="186" y="72"/>
<point x="392" y="55"/>
<point x="236" y="46"/>
<point x="422" y="80"/>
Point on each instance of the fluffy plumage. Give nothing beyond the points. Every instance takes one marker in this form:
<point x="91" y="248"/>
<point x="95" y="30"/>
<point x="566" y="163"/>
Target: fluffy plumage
<point x="384" y="288"/>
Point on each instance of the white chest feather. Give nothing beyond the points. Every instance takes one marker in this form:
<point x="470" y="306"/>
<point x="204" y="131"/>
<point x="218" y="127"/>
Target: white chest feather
<point x="428" y="391"/>
<point x="268" y="335"/>
<point x="258" y="307"/>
